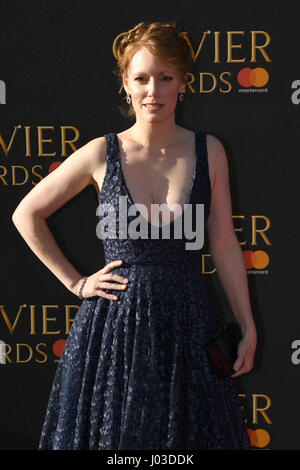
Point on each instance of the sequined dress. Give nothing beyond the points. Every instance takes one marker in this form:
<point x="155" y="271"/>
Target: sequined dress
<point x="134" y="374"/>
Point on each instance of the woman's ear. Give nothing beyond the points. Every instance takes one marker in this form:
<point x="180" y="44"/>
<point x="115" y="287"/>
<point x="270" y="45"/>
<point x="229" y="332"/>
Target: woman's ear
<point x="125" y="84"/>
<point x="183" y="85"/>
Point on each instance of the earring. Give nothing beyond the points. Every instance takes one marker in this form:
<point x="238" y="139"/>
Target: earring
<point x="128" y="99"/>
<point x="181" y="96"/>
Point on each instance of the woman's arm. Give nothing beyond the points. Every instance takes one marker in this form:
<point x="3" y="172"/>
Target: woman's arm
<point x="53" y="191"/>
<point x="227" y="253"/>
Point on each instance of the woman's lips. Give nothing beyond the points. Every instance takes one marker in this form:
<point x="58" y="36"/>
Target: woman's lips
<point x="153" y="106"/>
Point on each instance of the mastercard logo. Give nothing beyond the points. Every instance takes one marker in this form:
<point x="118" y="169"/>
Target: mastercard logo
<point x="58" y="347"/>
<point x="256" y="259"/>
<point x="259" y="437"/>
<point x="257" y="77"/>
<point x="53" y="166"/>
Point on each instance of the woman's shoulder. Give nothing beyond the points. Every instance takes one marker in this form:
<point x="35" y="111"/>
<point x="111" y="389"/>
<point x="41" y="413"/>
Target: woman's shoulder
<point x="215" y="149"/>
<point x="217" y="157"/>
<point x="93" y="154"/>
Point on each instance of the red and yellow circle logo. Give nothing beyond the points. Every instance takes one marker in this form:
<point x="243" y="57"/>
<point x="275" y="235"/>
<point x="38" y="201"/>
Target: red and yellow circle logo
<point x="257" y="77"/>
<point x="256" y="259"/>
<point x="58" y="347"/>
<point x="259" y="437"/>
<point x="53" y="166"/>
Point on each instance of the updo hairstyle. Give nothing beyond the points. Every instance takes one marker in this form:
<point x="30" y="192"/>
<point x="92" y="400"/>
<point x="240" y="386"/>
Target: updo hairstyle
<point x="163" y="40"/>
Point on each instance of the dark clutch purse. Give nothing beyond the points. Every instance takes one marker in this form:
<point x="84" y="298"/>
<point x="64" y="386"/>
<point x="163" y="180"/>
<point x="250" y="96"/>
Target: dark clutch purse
<point x="222" y="348"/>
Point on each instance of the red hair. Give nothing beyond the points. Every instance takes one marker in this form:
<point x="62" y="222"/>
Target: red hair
<point x="163" y="40"/>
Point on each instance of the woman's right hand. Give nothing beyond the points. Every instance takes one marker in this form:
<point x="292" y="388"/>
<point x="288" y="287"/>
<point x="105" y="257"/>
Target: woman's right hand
<point x="100" y="280"/>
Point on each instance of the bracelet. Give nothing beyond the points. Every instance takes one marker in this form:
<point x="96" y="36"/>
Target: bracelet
<point x="82" y="286"/>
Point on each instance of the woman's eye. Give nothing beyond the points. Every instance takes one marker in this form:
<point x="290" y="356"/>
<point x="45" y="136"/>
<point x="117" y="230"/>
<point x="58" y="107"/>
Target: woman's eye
<point x="167" y="77"/>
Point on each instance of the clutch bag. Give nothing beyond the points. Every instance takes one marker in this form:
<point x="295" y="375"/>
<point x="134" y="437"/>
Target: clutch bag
<point x="222" y="348"/>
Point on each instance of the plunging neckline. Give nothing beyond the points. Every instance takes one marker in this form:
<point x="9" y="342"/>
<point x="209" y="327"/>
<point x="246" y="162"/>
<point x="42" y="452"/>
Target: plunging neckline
<point x="190" y="186"/>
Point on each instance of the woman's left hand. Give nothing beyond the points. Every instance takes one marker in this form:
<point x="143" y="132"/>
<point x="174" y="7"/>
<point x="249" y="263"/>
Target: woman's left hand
<point x="246" y="352"/>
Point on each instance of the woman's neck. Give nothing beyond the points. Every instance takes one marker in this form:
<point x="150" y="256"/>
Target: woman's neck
<point x="156" y="135"/>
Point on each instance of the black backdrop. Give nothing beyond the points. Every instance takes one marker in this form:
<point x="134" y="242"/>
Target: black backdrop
<point x="56" y="71"/>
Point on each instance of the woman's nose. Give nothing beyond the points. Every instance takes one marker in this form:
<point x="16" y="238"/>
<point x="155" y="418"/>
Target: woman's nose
<point x="152" y="87"/>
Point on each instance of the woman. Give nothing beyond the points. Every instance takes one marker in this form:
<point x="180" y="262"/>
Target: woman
<point x="134" y="373"/>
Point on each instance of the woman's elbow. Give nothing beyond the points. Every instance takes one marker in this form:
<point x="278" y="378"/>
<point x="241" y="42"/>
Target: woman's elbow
<point x="223" y="242"/>
<point x="21" y="213"/>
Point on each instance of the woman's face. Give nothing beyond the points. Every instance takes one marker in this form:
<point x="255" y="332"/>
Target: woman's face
<point x="148" y="81"/>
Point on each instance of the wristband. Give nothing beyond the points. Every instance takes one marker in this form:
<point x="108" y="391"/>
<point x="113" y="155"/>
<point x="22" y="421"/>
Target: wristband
<point x="82" y="286"/>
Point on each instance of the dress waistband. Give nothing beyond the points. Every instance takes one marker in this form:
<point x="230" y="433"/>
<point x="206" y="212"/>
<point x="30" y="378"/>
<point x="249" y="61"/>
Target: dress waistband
<point x="177" y="262"/>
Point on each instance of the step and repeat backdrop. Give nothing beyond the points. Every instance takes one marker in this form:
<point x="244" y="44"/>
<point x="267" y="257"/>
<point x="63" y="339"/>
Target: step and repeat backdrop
<point x="58" y="90"/>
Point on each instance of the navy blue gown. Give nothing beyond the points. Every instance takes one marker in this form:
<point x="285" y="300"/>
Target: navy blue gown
<point x="134" y="374"/>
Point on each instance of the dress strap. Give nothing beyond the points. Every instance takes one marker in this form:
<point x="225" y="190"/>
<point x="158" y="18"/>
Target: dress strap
<point x="110" y="146"/>
<point x="110" y="181"/>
